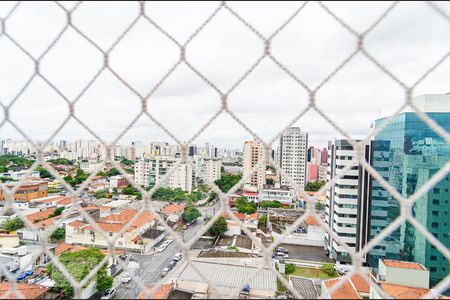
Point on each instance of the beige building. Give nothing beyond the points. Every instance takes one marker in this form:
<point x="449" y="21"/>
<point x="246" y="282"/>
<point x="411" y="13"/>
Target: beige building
<point x="9" y="240"/>
<point x="134" y="238"/>
<point x="253" y="154"/>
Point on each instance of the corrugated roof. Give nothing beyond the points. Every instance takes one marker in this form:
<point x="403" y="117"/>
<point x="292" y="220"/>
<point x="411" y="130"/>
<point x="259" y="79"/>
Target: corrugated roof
<point x="304" y="286"/>
<point x="230" y="275"/>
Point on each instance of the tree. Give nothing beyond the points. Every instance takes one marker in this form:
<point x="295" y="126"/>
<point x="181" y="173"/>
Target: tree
<point x="329" y="269"/>
<point x="6" y="179"/>
<point x="227" y="181"/>
<point x="314" y="186"/>
<point x="190" y="213"/>
<point x="57" y="212"/>
<point x="59" y="234"/>
<point x="43" y="173"/>
<point x="61" y="161"/>
<point x="219" y="227"/>
<point x="245" y="206"/>
<point x="262" y="221"/>
<point x="13" y="224"/>
<point x="290" y="268"/>
<point x="104" y="282"/>
<point x="266" y="204"/>
<point x="319" y="205"/>
<point x="112" y="172"/>
<point x="269" y="181"/>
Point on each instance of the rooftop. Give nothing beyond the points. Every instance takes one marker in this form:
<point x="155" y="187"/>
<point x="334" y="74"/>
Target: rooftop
<point x="40" y="215"/>
<point x="161" y="292"/>
<point x="346" y="291"/>
<point x="403" y="264"/>
<point x="304" y="286"/>
<point x="227" y="275"/>
<point x="29" y="291"/>
<point x="172" y="209"/>
<point x="404" y="292"/>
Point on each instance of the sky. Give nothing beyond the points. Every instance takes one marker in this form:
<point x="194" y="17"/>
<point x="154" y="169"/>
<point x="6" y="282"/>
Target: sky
<point x="409" y="41"/>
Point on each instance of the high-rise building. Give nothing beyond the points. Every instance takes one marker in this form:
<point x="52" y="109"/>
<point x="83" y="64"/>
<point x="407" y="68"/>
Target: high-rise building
<point x="149" y="171"/>
<point x="407" y="153"/>
<point x="324" y="158"/>
<point x="313" y="172"/>
<point x="344" y="208"/>
<point x="293" y="156"/>
<point x="253" y="154"/>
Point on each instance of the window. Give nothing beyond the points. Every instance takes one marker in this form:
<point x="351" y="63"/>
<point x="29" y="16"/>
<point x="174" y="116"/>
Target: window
<point x="435" y="213"/>
<point x="436" y="201"/>
<point x="433" y="269"/>
<point x="435" y="225"/>
<point x="433" y="257"/>
<point x="436" y="191"/>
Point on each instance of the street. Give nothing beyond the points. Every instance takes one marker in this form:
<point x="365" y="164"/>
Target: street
<point x="150" y="266"/>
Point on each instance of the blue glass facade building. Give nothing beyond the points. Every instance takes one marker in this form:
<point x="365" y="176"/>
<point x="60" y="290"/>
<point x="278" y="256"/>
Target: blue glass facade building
<point x="407" y="153"/>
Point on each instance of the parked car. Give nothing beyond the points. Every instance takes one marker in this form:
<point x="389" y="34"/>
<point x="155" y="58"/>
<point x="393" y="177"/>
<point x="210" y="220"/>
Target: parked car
<point x="285" y="255"/>
<point x="342" y="269"/>
<point x="172" y="264"/>
<point x="161" y="248"/>
<point x="164" y="272"/>
<point x="29" y="273"/>
<point x="246" y="290"/>
<point x="186" y="226"/>
<point x="177" y="256"/>
<point x="171" y="239"/>
<point x="109" y="294"/>
<point x="281" y="249"/>
<point x="21" y="277"/>
<point x="126" y="277"/>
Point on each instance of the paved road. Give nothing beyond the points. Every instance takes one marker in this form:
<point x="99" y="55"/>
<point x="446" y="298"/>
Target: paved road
<point x="150" y="266"/>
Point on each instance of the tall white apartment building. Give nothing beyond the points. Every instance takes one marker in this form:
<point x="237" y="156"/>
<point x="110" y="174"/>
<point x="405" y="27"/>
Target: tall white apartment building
<point x="344" y="206"/>
<point x="149" y="171"/>
<point x="211" y="169"/>
<point x="253" y="154"/>
<point x="293" y="156"/>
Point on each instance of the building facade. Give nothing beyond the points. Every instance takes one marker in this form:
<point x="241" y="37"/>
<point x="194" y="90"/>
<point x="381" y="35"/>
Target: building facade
<point x="407" y="153"/>
<point x="293" y="156"/>
<point x="345" y="201"/>
<point x="151" y="170"/>
<point x="253" y="154"/>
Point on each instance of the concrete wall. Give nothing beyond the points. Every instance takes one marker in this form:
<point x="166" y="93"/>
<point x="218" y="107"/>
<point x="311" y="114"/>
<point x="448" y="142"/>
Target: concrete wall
<point x="89" y="290"/>
<point x="298" y="240"/>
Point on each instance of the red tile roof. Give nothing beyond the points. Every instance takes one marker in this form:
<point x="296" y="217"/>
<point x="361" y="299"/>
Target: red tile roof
<point x="40" y="215"/>
<point x="362" y="285"/>
<point x="310" y="220"/>
<point x="45" y="223"/>
<point x="62" y="247"/>
<point x="29" y="291"/>
<point x="161" y="292"/>
<point x="403" y="264"/>
<point x="65" y="201"/>
<point x="173" y="209"/>
<point x="345" y="291"/>
<point x="404" y="292"/>
<point x="76" y="224"/>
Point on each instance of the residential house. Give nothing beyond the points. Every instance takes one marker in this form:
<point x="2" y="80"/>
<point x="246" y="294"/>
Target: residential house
<point x="173" y="212"/>
<point x="24" y="291"/>
<point x="82" y="233"/>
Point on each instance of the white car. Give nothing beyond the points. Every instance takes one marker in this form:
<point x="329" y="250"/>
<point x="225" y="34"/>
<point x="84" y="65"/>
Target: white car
<point x="177" y="256"/>
<point x="126" y="277"/>
<point x="170" y="240"/>
<point x="285" y="255"/>
<point x="161" y="248"/>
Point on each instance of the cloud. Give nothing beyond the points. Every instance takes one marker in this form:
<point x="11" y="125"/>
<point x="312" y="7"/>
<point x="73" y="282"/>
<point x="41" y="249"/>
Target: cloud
<point x="408" y="42"/>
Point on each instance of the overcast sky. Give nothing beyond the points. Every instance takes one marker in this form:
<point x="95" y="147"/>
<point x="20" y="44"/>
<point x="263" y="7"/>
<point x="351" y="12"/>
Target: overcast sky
<point x="409" y="41"/>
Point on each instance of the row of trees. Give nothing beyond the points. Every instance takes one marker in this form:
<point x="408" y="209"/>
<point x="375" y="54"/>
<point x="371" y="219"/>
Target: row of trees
<point x="314" y="186"/>
<point x="227" y="181"/>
